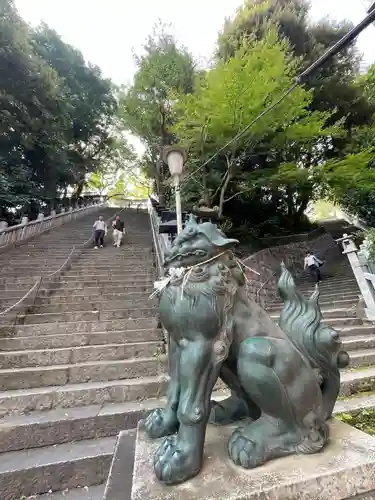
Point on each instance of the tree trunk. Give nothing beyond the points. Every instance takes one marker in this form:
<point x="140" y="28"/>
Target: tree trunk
<point x="79" y="189"/>
<point x="228" y="178"/>
<point x="206" y="196"/>
<point x="291" y="209"/>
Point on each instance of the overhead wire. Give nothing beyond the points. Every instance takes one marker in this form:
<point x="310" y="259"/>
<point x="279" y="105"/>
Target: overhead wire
<point x="345" y="40"/>
<point x="242" y="132"/>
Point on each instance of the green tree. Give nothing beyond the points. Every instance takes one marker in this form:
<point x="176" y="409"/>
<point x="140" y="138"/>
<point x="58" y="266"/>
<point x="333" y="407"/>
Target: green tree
<point x="333" y="84"/>
<point x="280" y="154"/>
<point x="89" y="102"/>
<point x="354" y="187"/>
<point x="130" y="185"/>
<point x="55" y="115"/>
<point x="119" y="160"/>
<point x="146" y="106"/>
<point x="30" y="114"/>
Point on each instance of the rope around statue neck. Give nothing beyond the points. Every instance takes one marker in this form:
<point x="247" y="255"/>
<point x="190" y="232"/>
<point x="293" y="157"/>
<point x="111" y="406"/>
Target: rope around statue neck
<point x="184" y="272"/>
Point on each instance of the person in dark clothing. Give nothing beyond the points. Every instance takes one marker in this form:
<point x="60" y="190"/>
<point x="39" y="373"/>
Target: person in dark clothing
<point x="313" y="263"/>
<point x="118" y="231"/>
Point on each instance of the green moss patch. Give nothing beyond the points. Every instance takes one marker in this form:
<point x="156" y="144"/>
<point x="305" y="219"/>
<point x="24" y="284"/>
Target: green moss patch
<point x="363" y="420"/>
<point x="357" y="395"/>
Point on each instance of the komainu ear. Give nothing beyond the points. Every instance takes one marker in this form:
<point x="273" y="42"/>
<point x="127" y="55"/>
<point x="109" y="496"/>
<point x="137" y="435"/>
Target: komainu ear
<point x="217" y="237"/>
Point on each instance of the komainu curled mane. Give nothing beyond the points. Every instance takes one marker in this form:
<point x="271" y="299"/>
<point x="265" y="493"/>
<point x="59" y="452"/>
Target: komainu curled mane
<point x="283" y="379"/>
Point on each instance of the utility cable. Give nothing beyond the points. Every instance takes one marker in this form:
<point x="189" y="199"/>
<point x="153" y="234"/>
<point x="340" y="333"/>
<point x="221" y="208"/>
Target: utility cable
<point x="243" y="131"/>
<point x="332" y="51"/>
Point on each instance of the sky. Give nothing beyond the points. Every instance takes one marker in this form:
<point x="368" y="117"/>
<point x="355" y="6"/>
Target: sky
<point x="108" y="32"/>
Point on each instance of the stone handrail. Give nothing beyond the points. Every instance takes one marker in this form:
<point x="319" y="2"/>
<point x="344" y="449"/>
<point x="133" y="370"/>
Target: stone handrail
<point x="137" y="204"/>
<point x="363" y="272"/>
<point x="160" y="244"/>
<point x="20" y="308"/>
<point x="14" y="235"/>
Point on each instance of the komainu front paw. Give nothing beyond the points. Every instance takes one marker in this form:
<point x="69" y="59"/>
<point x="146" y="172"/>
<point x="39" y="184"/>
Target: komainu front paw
<point x="175" y="463"/>
<point x="245" y="452"/>
<point x="160" y="423"/>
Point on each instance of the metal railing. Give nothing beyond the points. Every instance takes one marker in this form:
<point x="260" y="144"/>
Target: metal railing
<point x="159" y="247"/>
<point x="14" y="235"/>
<point x="27" y="302"/>
<point x="159" y="241"/>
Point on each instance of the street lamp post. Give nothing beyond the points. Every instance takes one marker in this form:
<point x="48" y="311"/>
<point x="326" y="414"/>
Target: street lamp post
<point x="175" y="157"/>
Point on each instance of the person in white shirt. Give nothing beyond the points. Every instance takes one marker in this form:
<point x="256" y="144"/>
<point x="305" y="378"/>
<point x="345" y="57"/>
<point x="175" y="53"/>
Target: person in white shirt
<point x="313" y="263"/>
<point x="100" y="227"/>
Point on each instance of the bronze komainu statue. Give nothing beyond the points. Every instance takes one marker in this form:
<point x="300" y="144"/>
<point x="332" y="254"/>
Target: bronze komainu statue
<point x="283" y="379"/>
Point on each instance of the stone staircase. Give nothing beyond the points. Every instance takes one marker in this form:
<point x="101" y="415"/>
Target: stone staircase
<point x="76" y="369"/>
<point x="87" y="361"/>
<point x="23" y="265"/>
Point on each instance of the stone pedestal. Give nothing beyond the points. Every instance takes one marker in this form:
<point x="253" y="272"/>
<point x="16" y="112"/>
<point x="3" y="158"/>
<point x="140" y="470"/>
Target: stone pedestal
<point x="344" y="470"/>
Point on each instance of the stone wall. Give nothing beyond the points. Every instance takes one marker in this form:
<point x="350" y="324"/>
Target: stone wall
<point x="266" y="262"/>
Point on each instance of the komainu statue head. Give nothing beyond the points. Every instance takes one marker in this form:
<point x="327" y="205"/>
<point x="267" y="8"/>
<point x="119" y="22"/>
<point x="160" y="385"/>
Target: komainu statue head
<point x="197" y="243"/>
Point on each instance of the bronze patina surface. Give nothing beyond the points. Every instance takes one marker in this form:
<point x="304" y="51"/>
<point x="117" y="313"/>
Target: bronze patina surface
<point x="284" y="379"/>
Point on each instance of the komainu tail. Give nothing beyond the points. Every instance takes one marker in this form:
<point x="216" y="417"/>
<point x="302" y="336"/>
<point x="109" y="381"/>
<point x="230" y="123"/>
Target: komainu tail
<point x="301" y="320"/>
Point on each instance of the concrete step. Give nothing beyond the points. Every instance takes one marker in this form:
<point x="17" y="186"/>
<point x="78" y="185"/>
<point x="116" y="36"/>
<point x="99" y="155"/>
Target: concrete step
<point x="357" y="381"/>
<point x="58" y="299"/>
<point x="71" y="355"/>
<point x="329" y="297"/>
<point x="99" y="315"/>
<point x="85" y="493"/>
<point x="328" y="282"/>
<point x="79" y="339"/>
<point x="79" y="373"/>
<point x="118" y="391"/>
<point x="7" y="303"/>
<point x="93" y="260"/>
<point x="365" y="401"/>
<point x="64" y="425"/>
<point x="331" y="289"/>
<point x="330" y="313"/>
<point x="129" y="280"/>
<point x="337" y="323"/>
<point x="98" y="289"/>
<point x="109" y="261"/>
<point x="128" y="284"/>
<point x="55" y="468"/>
<point x="359" y="343"/>
<point x="86" y="394"/>
<point x="123" y="274"/>
<point x="144" y="260"/>
<point x="102" y="289"/>
<point x="357" y="330"/>
<point x="96" y="492"/>
<point x="86" y="306"/>
<point x="324" y="304"/>
<point x="115" y="270"/>
<point x="361" y="358"/>
<point x="79" y="327"/>
<point x="13" y="294"/>
<point x="136" y="267"/>
<point x="12" y="282"/>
